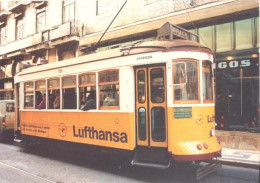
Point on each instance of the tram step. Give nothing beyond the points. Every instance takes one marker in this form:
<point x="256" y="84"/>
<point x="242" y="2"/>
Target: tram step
<point x="152" y="165"/>
<point x="151" y="157"/>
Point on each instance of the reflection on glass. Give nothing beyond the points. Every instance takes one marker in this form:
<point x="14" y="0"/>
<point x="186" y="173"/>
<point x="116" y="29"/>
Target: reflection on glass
<point x="109" y="95"/>
<point x="69" y="81"/>
<point x="87" y="79"/>
<point x="206" y="36"/>
<point x="108" y="76"/>
<point x="158" y="124"/>
<point x="142" y="124"/>
<point x="185" y="81"/>
<point x="141" y="86"/>
<point x="28" y="99"/>
<point x="244" y="34"/>
<point x="223" y="37"/>
<point x="54" y="83"/>
<point x="157" y="85"/>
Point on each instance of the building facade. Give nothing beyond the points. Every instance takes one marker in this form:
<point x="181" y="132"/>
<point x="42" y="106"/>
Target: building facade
<point x="39" y="32"/>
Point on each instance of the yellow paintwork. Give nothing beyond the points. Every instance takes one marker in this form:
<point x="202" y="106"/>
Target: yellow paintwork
<point x="185" y="133"/>
<point x="59" y="125"/>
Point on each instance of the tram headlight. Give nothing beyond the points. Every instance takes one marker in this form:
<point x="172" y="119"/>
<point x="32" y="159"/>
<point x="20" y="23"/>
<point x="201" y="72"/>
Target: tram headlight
<point x="212" y="132"/>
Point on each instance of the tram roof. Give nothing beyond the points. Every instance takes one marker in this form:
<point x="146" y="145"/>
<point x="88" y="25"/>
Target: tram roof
<point x="140" y="47"/>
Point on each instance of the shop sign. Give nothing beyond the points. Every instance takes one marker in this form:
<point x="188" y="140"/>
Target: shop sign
<point x="235" y="64"/>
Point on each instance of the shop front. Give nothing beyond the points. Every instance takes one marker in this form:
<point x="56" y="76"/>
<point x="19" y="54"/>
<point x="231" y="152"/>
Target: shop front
<point x="237" y="91"/>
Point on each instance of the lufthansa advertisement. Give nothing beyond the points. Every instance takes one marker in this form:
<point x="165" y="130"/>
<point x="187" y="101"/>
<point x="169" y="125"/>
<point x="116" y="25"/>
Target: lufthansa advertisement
<point x="107" y="129"/>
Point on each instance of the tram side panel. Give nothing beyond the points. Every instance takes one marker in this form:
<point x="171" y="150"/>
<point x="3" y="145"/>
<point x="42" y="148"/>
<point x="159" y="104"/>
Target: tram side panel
<point x="189" y="129"/>
<point x="110" y="128"/>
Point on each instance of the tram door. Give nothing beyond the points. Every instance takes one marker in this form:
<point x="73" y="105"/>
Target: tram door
<point x="151" y="120"/>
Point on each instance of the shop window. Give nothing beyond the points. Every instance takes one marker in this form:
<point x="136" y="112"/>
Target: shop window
<point x="109" y="89"/>
<point x="40" y="20"/>
<point x="28" y="95"/>
<point x="68" y="10"/>
<point x="224" y="37"/>
<point x="54" y="93"/>
<point x="87" y="91"/>
<point x="207" y="82"/>
<point x="244" y="34"/>
<point x="69" y="92"/>
<point x="19" y="29"/>
<point x="206" y="36"/>
<point x="40" y="94"/>
<point x="185" y="81"/>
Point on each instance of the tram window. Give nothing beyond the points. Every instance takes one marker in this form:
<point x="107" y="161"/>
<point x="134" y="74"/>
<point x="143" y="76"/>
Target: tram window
<point x="141" y="86"/>
<point x="207" y="81"/>
<point x="40" y="94"/>
<point x="142" y="123"/>
<point x="54" y="93"/>
<point x="28" y="94"/>
<point x="109" y="89"/>
<point x="69" y="92"/>
<point x="185" y="80"/>
<point x="157" y="85"/>
<point x="158" y="124"/>
<point x="87" y="91"/>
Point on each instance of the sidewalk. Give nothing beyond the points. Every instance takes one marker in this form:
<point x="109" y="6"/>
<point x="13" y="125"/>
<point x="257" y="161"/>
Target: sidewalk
<point x="244" y="158"/>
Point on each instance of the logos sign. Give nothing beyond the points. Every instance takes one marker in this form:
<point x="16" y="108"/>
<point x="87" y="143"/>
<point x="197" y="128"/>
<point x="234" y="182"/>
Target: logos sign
<point x="236" y="64"/>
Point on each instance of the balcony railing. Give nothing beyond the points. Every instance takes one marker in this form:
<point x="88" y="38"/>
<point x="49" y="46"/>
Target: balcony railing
<point x="67" y="29"/>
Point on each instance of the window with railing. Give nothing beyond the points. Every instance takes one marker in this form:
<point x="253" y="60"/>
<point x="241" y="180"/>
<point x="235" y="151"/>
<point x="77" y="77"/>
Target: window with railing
<point x="2" y="35"/>
<point x="68" y="10"/>
<point x="40" y="20"/>
<point x="19" y="29"/>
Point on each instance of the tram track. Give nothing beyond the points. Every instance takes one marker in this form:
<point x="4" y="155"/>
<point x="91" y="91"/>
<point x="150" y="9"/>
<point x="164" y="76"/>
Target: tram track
<point x="26" y="172"/>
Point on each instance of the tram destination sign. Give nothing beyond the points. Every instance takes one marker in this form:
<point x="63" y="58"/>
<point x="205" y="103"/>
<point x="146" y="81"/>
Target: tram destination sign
<point x="182" y="112"/>
<point x="171" y="31"/>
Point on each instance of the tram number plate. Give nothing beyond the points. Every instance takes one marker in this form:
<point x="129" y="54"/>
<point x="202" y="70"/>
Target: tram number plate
<point x="182" y="112"/>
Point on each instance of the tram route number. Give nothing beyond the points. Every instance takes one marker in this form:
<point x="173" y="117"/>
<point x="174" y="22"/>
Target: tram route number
<point x="182" y="112"/>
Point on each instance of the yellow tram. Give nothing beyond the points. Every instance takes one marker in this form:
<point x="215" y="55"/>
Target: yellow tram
<point x="155" y="99"/>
